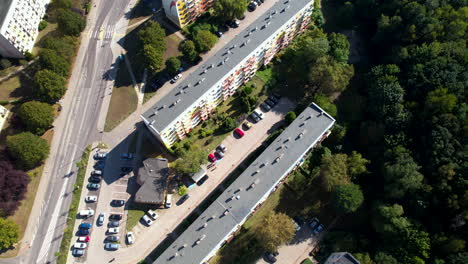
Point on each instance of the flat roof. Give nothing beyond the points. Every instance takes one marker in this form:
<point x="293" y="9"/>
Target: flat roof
<point x="153" y="180"/>
<point x="4" y="8"/>
<point x="242" y="196"/>
<point x="188" y="91"/>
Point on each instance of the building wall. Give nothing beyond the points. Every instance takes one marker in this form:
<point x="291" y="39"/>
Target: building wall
<point x="240" y="74"/>
<point x="184" y="12"/>
<point x="19" y="29"/>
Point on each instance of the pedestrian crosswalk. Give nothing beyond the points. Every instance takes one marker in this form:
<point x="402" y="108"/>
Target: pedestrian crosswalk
<point x="104" y="33"/>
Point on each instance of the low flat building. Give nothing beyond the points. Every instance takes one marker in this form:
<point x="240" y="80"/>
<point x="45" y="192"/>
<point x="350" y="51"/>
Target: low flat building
<point x="224" y="217"/>
<point x="192" y="100"/>
<point x="152" y="178"/>
<point x="341" y="258"/>
<point x="19" y="25"/>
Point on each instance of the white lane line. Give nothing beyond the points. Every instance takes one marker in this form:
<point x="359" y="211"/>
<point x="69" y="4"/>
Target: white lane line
<point x="53" y="223"/>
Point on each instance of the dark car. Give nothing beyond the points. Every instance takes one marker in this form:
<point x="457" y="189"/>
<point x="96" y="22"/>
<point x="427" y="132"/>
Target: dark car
<point x="313" y="223"/>
<point x="117" y="217"/>
<point x="219" y="154"/>
<point x="183" y="199"/>
<point x="83" y="232"/>
<point x="222" y="148"/>
<point x="269" y="257"/>
<point x="113" y="224"/>
<point x="202" y="180"/>
<point x="117" y="203"/>
<point x="233" y="23"/>
<point x="112" y="238"/>
<point x="99" y="165"/>
<point x="85" y="226"/>
<point x="266" y="107"/>
<point x="274" y="99"/>
<point x="93" y="186"/>
<point x="94" y="179"/>
<point x="318" y="229"/>
<point x="252" y="6"/>
<point x="255" y="117"/>
<point x="126" y="169"/>
<point x="219" y="34"/>
<point x="269" y="102"/>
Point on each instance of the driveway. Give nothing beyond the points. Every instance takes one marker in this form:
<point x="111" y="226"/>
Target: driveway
<point x="147" y="238"/>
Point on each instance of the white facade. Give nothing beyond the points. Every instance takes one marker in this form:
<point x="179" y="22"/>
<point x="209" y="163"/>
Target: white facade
<point x="19" y="26"/>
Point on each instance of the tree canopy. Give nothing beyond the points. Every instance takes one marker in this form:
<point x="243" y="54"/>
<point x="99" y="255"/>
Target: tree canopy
<point x="14" y="185"/>
<point x="204" y="40"/>
<point x="37" y="116"/>
<point x="347" y="198"/>
<point x="9" y="233"/>
<point x="69" y="22"/>
<point x="189" y="51"/>
<point x="27" y="149"/>
<point x="50" y="60"/>
<point x="227" y="10"/>
<point x="275" y="230"/>
<point x="152" y="44"/>
<point x="173" y="65"/>
<point x="190" y="161"/>
<point x="50" y="87"/>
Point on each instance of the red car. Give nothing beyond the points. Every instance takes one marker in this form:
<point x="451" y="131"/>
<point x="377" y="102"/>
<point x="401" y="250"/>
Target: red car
<point x="212" y="157"/>
<point x="239" y="132"/>
<point x="84" y="239"/>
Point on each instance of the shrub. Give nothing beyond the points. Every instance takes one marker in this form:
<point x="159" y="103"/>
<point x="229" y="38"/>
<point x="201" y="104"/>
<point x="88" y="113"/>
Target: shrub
<point x="42" y="25"/>
<point x="36" y="116"/>
<point x="14" y="185"/>
<point x="182" y="190"/>
<point x="290" y="116"/>
<point x="27" y="149"/>
<point x="229" y="124"/>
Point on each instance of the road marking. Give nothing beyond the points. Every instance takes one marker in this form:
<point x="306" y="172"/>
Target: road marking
<point x="101" y="33"/>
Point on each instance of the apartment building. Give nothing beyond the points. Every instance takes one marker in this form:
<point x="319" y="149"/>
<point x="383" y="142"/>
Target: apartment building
<point x="19" y="22"/>
<point x="184" y="12"/>
<point x="193" y="99"/>
<point x="217" y="224"/>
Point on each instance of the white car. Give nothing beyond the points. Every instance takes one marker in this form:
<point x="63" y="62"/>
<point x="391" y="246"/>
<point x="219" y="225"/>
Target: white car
<point x="147" y="220"/>
<point x="100" y="220"/>
<point x="113" y="230"/>
<point x="96" y="173"/>
<point x="152" y="214"/>
<point x="91" y="199"/>
<point x="168" y="203"/>
<point x="100" y="155"/>
<point x="259" y="113"/>
<point x="177" y="77"/>
<point x="80" y="245"/>
<point x="86" y="213"/>
<point x="130" y="238"/>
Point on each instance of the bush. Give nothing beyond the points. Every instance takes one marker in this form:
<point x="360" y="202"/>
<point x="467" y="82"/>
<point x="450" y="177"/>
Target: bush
<point x="173" y="65"/>
<point x="50" y="87"/>
<point x="290" y="116"/>
<point x="29" y="56"/>
<point x="51" y="60"/>
<point x="4" y="63"/>
<point x="14" y="185"/>
<point x="70" y="23"/>
<point x="229" y="124"/>
<point x="27" y="149"/>
<point x="42" y="25"/>
<point x="36" y="116"/>
<point x="204" y="40"/>
<point x="182" y="190"/>
<point x="9" y="233"/>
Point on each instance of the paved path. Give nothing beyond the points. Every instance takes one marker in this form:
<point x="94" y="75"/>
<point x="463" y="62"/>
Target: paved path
<point x="20" y="68"/>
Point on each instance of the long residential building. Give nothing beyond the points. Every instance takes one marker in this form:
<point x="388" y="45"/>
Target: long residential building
<point x="184" y="12"/>
<point x="219" y="222"/>
<point x="193" y="99"/>
<point x="19" y="22"/>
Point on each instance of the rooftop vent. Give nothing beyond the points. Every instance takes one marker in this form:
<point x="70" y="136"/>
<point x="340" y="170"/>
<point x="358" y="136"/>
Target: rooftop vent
<point x="152" y="122"/>
<point x="238" y="197"/>
<point x="255" y="28"/>
<point x="309" y="117"/>
<point x="186" y="86"/>
<point x="274" y="12"/>
<point x="252" y="185"/>
<point x="212" y="65"/>
<point x="226" y="59"/>
<point x="226" y="212"/>
<point x="202" y="237"/>
<point x="205" y="225"/>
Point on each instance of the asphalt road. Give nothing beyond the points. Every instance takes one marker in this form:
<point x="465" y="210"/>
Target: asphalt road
<point x="75" y="128"/>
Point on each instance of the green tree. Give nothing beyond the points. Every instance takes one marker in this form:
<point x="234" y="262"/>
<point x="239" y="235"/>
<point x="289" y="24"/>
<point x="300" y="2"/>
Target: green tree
<point x="204" y="40"/>
<point x="389" y="219"/>
<point x="152" y="57"/>
<point x="440" y="101"/>
<point x="274" y="230"/>
<point x="62" y="4"/>
<point x="328" y="76"/>
<point x="363" y="258"/>
<point x="9" y="233"/>
<point x="50" y="60"/>
<point x="333" y="171"/>
<point x="70" y="23"/>
<point x="50" y="87"/>
<point x="182" y="190"/>
<point x="356" y="164"/>
<point x="189" y="51"/>
<point x="227" y="10"/>
<point x="37" y="116"/>
<point x="229" y="124"/>
<point x="190" y="161"/>
<point x="27" y="149"/>
<point x="384" y="258"/>
<point x="347" y="198"/>
<point x="173" y="65"/>
<point x="64" y="46"/>
<point x="325" y="103"/>
<point x="339" y="47"/>
<point x="289" y="117"/>
<point x="153" y="34"/>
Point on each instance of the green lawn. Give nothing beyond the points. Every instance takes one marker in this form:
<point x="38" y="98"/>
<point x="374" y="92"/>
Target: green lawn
<point x="307" y="261"/>
<point x="135" y="213"/>
<point x="123" y="101"/>
<point x="16" y="88"/>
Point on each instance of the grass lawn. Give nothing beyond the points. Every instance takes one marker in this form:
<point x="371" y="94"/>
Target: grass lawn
<point x="16" y="88"/>
<point x="307" y="261"/>
<point x="124" y="99"/>
<point x="135" y="213"/>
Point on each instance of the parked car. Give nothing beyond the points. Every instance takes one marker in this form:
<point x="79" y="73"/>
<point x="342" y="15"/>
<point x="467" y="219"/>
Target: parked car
<point x="265" y="106"/>
<point x="126" y="156"/>
<point x="247" y="125"/>
<point x="252" y="6"/>
<point x="112" y="238"/>
<point x="83" y="232"/>
<point x="183" y="199"/>
<point x="84" y="239"/>
<point x="313" y="223"/>
<point x="113" y="224"/>
<point x="115" y="217"/>
<point x="147" y="220"/>
<point x="273" y="99"/>
<point x="91" y="198"/>
<point x="77" y="252"/>
<point x="100" y="220"/>
<point x="130" y="238"/>
<point x="176" y="78"/>
<point x="233" y="23"/>
<point x="222" y="148"/>
<point x="152" y="214"/>
<point x="111" y="246"/>
<point x="85" y="225"/>
<point x="96" y="173"/>
<point x="298" y="222"/>
<point x="255" y="117"/>
<point x="318" y="229"/>
<point x="259" y="113"/>
<point x="94" y="179"/>
<point x="168" y="203"/>
<point x="269" y="257"/>
<point x="219" y="154"/>
<point x="100" y="165"/>
<point x="117" y="203"/>
<point x="270" y="103"/>
<point x="100" y="155"/>
<point x="113" y="230"/>
<point x="93" y="186"/>
<point x="219" y="34"/>
<point x="239" y="132"/>
<point x="211" y="157"/>
<point x="80" y="245"/>
<point x="86" y="213"/>
<point x="202" y="180"/>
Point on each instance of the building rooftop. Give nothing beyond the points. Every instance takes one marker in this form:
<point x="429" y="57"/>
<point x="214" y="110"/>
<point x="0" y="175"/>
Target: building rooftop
<point x="4" y="8"/>
<point x="153" y="180"/>
<point x="187" y="92"/>
<point x="341" y="258"/>
<point x="237" y="202"/>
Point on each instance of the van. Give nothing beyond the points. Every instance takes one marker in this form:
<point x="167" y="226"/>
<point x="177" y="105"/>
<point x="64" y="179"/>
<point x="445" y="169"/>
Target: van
<point x="168" y="201"/>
